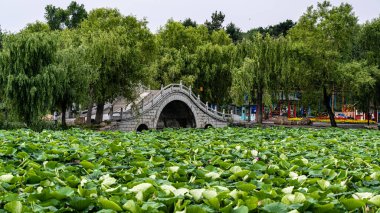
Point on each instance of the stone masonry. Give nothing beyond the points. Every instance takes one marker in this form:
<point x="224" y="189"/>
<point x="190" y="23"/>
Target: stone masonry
<point x="149" y="110"/>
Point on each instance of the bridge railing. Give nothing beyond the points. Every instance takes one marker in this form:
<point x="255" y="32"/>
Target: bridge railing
<point x="147" y="104"/>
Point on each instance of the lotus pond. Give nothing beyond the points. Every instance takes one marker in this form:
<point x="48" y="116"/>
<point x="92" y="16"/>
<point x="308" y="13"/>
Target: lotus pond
<point x="213" y="170"/>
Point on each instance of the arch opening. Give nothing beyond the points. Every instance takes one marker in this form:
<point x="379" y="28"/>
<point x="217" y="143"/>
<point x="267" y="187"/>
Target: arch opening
<point x="208" y="126"/>
<point x="142" y="127"/>
<point x="176" y="114"/>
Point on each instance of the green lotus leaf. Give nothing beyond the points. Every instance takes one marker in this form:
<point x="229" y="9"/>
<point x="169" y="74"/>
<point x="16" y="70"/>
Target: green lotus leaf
<point x="196" y="209"/>
<point x="63" y="193"/>
<point x="131" y="206"/>
<point x="87" y="165"/>
<point x="245" y="186"/>
<point x="108" y="204"/>
<point x="7" y="178"/>
<point x="375" y="200"/>
<point x="324" y="208"/>
<point x="13" y="207"/>
<point x="275" y="208"/>
<point x="80" y="203"/>
<point x="324" y="184"/>
<point x="251" y="202"/>
<point x="293" y="198"/>
<point x="352" y="203"/>
<point x="197" y="194"/>
<point x="209" y="194"/>
<point x="241" y="209"/>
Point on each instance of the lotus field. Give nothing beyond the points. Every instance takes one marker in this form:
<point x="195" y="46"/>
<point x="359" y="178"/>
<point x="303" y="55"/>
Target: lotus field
<point x="213" y="170"/>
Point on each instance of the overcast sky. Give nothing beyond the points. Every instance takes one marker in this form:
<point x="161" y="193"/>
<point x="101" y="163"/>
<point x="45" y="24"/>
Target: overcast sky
<point x="247" y="14"/>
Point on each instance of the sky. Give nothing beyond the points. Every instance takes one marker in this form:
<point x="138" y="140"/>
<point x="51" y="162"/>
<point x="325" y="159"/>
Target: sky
<point x="246" y="14"/>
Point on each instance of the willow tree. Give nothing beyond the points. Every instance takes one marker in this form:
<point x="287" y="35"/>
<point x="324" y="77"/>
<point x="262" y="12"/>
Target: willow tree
<point x="369" y="50"/>
<point x="2" y="35"/>
<point x="369" y="42"/>
<point x="2" y="65"/>
<point x="36" y="27"/>
<point x="120" y="48"/>
<point x="265" y="59"/>
<point x="215" y="63"/>
<point x="76" y="75"/>
<point x="323" y="38"/>
<point x="363" y="80"/>
<point x="197" y="58"/>
<point x="29" y="83"/>
<point x="176" y="59"/>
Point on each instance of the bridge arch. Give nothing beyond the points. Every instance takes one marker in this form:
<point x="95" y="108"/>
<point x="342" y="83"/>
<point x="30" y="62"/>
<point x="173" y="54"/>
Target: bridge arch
<point x="142" y="127"/>
<point x="176" y="112"/>
<point x="208" y="126"/>
<point x="152" y="105"/>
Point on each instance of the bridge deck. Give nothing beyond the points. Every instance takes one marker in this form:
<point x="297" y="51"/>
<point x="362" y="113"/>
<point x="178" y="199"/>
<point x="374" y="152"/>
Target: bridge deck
<point x="148" y="107"/>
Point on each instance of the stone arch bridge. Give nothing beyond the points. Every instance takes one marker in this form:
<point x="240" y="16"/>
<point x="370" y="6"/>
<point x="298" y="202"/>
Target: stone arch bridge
<point x="174" y="106"/>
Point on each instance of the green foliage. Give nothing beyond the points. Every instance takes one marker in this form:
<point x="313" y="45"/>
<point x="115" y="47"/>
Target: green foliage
<point x="213" y="170"/>
<point x="71" y="17"/>
<point x="220" y="37"/>
<point x="13" y="207"/>
<point x="215" y="62"/>
<point x="196" y="58"/>
<point x="265" y="61"/>
<point x="55" y="16"/>
<point x="2" y="35"/>
<point x="235" y="33"/>
<point x="120" y="48"/>
<point x="189" y="23"/>
<point x="4" y="124"/>
<point x="216" y="23"/>
<point x="36" y="27"/>
<point x="363" y="83"/>
<point x="175" y="35"/>
<point x="369" y="42"/>
<point x="75" y="15"/>
<point x="2" y="66"/>
<point x="98" y="56"/>
<point x="323" y="38"/>
<point x="277" y="30"/>
<point x="75" y="74"/>
<point x="177" y="46"/>
<point x="29" y="84"/>
<point x="174" y="66"/>
<point x="369" y="50"/>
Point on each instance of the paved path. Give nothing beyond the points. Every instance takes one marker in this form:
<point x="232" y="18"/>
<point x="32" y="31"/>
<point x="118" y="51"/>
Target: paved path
<point x="315" y="125"/>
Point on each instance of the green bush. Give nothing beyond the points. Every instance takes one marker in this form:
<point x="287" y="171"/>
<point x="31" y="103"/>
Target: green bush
<point x="10" y="125"/>
<point x="40" y="125"/>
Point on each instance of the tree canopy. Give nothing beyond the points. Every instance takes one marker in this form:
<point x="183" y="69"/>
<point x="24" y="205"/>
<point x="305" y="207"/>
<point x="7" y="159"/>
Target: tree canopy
<point x="216" y="23"/>
<point x="58" y="18"/>
<point x="189" y="23"/>
<point x="235" y="32"/>
<point x="130" y="48"/>
<point x="281" y="28"/>
<point x="263" y="64"/>
<point x="323" y="38"/>
<point x="92" y="58"/>
<point x="75" y="74"/>
<point x="28" y="81"/>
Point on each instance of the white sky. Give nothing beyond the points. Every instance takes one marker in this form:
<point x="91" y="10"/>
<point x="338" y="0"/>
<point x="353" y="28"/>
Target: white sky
<point x="246" y="14"/>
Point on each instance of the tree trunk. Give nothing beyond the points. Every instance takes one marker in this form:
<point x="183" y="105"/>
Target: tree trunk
<point x="368" y="116"/>
<point x="326" y="101"/>
<point x="99" y="113"/>
<point x="259" y="108"/>
<point x="376" y="113"/>
<point x="63" y="110"/>
<point x="89" y="114"/>
<point x="249" y="111"/>
<point x="110" y="114"/>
